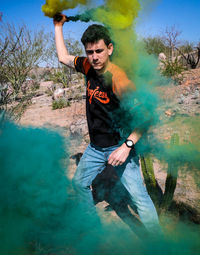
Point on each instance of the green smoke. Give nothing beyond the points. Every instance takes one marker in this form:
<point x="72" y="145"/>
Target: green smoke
<point x="39" y="213"/>
<point x="37" y="203"/>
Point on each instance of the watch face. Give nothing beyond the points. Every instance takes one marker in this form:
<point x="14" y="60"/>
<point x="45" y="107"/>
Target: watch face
<point x="129" y="143"/>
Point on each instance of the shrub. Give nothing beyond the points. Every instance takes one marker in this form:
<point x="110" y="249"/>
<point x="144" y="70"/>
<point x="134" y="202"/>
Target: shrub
<point x="60" y="103"/>
<point x="46" y="75"/>
<point x="35" y="85"/>
<point x="172" y="68"/>
<point x="59" y="76"/>
<point x="33" y="76"/>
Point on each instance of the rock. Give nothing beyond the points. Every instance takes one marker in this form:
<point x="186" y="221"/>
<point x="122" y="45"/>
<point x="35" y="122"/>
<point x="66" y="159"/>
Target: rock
<point x="170" y="113"/>
<point x="195" y="95"/>
<point x="42" y="100"/>
<point x="74" y="76"/>
<point x="44" y="85"/>
<point x="177" y="109"/>
<point x="185" y="93"/>
<point x="162" y="59"/>
<point x="181" y="99"/>
<point x="58" y="93"/>
<point x="79" y="127"/>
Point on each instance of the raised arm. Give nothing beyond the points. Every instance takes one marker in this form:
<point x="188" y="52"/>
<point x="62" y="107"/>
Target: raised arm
<point x="63" y="54"/>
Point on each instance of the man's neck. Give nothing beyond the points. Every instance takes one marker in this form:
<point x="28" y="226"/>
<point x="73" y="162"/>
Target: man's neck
<point x="103" y="70"/>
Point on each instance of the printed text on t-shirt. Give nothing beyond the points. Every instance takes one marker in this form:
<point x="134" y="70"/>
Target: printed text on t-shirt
<point x="96" y="93"/>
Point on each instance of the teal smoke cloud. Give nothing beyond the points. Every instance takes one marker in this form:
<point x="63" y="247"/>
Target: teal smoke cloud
<point x="39" y="213"/>
<point x="36" y="198"/>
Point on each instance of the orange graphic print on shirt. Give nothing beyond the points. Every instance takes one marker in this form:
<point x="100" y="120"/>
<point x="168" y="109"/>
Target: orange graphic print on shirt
<point x="99" y="95"/>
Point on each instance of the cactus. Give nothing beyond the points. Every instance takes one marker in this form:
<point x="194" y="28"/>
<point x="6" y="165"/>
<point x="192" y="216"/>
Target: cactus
<point x="152" y="186"/>
<point x="171" y="180"/>
<point x="148" y="171"/>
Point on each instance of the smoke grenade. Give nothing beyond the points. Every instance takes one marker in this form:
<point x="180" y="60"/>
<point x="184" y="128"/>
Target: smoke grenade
<point x="84" y="17"/>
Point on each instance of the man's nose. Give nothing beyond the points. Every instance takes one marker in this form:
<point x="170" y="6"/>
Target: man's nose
<point x="95" y="56"/>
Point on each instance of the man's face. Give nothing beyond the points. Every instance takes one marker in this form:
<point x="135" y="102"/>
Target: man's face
<point x="98" y="54"/>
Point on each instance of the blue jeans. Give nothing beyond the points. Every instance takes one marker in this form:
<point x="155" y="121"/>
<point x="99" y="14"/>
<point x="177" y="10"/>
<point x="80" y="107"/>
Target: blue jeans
<point x="94" y="161"/>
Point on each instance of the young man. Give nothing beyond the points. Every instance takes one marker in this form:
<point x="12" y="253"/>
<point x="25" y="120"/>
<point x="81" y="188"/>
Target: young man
<point x="105" y="84"/>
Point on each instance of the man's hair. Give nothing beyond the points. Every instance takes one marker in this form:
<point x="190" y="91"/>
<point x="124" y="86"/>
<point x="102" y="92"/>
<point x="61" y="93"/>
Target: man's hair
<point x="94" y="33"/>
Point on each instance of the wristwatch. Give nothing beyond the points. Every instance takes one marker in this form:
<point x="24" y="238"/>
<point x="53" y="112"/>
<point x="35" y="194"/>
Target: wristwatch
<point x="129" y="143"/>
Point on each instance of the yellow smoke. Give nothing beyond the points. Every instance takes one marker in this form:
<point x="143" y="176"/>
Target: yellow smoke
<point x="118" y="14"/>
<point x="55" y="6"/>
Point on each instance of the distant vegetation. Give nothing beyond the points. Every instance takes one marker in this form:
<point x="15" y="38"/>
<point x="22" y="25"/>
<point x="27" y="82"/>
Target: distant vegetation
<point x="22" y="50"/>
<point x="179" y="55"/>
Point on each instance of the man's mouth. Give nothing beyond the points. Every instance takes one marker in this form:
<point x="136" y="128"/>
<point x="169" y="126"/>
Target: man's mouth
<point x="97" y="65"/>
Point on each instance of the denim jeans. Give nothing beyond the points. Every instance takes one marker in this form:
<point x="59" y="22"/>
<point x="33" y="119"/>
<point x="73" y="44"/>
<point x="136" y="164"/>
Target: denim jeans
<point x="94" y="161"/>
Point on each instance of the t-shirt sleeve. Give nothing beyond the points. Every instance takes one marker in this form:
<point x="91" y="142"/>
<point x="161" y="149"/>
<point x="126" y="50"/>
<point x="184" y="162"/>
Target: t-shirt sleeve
<point x="121" y="83"/>
<point x="82" y="65"/>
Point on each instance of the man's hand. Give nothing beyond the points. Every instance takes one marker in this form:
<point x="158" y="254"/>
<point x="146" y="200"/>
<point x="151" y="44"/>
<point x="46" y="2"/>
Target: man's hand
<point x="119" y="156"/>
<point x="59" y="19"/>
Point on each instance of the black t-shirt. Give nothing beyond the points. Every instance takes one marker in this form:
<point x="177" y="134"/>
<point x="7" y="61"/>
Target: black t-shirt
<point x="102" y="98"/>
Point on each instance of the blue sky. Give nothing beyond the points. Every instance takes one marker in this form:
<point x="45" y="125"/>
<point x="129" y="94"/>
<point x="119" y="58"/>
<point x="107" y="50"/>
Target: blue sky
<point x="182" y="13"/>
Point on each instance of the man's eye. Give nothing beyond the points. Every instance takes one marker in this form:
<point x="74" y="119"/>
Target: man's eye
<point x="99" y="51"/>
<point x="89" y="52"/>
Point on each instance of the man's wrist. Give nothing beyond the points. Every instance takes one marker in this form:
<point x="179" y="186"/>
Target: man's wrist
<point x="125" y="147"/>
<point x="129" y="143"/>
<point x="58" y="26"/>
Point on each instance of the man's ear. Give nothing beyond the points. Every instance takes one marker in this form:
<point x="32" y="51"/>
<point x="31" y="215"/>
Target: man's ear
<point x="110" y="49"/>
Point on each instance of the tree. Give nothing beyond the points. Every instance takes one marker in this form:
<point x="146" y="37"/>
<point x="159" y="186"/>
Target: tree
<point x="20" y="51"/>
<point x="165" y="43"/>
<point x="154" y="45"/>
<point x="171" y="38"/>
<point x="61" y="73"/>
<point x="4" y="91"/>
<point x="24" y="50"/>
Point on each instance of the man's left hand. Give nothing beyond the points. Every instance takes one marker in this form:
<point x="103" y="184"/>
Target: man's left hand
<point x="119" y="156"/>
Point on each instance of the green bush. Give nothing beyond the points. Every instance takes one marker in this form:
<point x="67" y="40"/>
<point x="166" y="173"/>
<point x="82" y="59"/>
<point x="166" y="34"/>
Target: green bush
<point x="60" y="76"/>
<point x="35" y="85"/>
<point x="60" y="103"/>
<point x="172" y="68"/>
<point x="33" y="76"/>
<point x="46" y="75"/>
